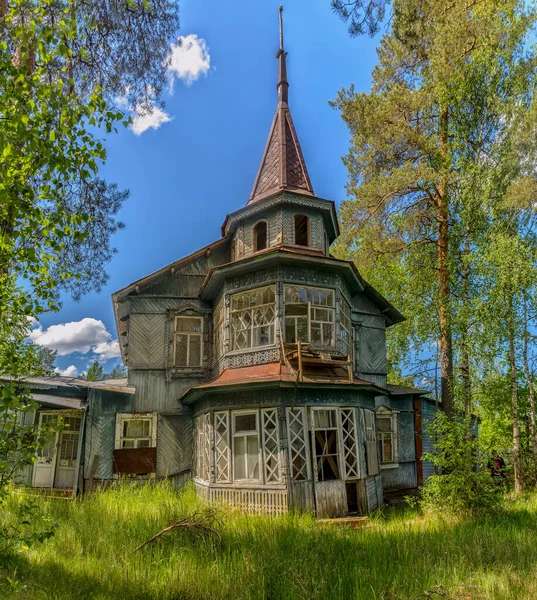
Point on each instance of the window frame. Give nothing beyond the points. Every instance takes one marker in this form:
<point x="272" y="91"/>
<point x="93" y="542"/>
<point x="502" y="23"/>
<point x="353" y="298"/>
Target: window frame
<point x="234" y="435"/>
<point x="233" y="312"/>
<point x="384" y="412"/>
<point x="188" y="334"/>
<point x="219" y="330"/>
<point x="310" y="308"/>
<point x="308" y="230"/>
<point x="121" y="418"/>
<point x="255" y="247"/>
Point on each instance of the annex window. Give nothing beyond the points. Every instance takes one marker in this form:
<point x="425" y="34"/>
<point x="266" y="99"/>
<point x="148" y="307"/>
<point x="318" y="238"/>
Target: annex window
<point x="203" y="446"/>
<point x="136" y="431"/>
<point x="345" y="327"/>
<point x="218" y="327"/>
<point x="252" y="318"/>
<point x="246" y="446"/>
<point x="69" y="441"/>
<point x="302" y="230"/>
<point x="260" y="236"/>
<point x="309" y="315"/>
<point x="298" y="447"/>
<point x="370" y="441"/>
<point x="386" y="435"/>
<point x="325" y="444"/>
<point x="188" y="342"/>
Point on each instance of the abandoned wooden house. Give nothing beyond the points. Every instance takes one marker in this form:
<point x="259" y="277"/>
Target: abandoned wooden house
<point x="256" y="365"/>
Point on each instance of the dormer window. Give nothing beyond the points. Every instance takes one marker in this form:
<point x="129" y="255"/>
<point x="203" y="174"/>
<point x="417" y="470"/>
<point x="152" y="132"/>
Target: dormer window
<point x="260" y="236"/>
<point x="302" y="230"/>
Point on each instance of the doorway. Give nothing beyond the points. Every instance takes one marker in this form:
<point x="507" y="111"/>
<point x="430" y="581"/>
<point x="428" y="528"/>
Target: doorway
<point x="330" y="491"/>
<point x="55" y="465"/>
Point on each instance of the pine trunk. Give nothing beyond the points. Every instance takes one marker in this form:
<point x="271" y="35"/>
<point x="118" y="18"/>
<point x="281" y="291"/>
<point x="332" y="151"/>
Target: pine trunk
<point x="514" y="399"/>
<point x="446" y="344"/>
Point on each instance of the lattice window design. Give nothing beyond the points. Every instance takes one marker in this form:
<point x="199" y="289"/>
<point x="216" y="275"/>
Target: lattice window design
<point x="298" y="448"/>
<point x="370" y="440"/>
<point x="218" y="328"/>
<point x="203" y="446"/>
<point x="271" y="445"/>
<point x="188" y="342"/>
<point x="309" y="315"/>
<point x="350" y="445"/>
<point x="252" y="318"/>
<point x="222" y="447"/>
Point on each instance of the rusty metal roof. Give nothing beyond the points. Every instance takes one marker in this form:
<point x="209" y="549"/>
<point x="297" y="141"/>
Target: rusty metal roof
<point x="277" y="373"/>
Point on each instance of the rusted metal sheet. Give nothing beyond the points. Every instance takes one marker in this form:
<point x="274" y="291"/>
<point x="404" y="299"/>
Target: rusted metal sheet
<point x="134" y="461"/>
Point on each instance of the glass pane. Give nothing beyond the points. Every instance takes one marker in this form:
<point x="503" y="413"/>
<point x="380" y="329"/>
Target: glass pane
<point x="181" y="346"/>
<point x="195" y="351"/>
<point x="387" y="447"/>
<point x="134" y="428"/>
<point x="188" y="324"/>
<point x="384" y="424"/>
<point x="246" y="422"/>
<point x="128" y="444"/>
<point x="143" y="444"/>
<point x="296" y="309"/>
<point x="239" y="458"/>
<point x="324" y="419"/>
<point x="253" y="457"/>
<point x="328" y="334"/>
<point x="316" y="334"/>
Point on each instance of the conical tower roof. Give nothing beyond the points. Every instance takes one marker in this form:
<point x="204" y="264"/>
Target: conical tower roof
<point x="282" y="166"/>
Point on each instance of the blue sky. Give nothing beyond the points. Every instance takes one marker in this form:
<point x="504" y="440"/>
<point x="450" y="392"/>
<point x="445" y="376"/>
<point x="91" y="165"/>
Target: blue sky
<point x="188" y="173"/>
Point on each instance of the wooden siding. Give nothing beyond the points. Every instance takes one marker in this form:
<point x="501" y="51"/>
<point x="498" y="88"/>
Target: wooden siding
<point x="406" y="444"/>
<point x="174" y="445"/>
<point x="155" y="394"/>
<point x="428" y="413"/>
<point x="255" y="501"/>
<point x="147" y="341"/>
<point x="372" y="495"/>
<point x="371" y="350"/>
<point x="402" y="477"/>
<point x="301" y="496"/>
<point x="331" y="499"/>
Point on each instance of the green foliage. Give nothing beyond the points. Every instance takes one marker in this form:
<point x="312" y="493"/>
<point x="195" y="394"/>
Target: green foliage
<point x="95" y="372"/>
<point x="292" y="557"/>
<point x="462" y="482"/>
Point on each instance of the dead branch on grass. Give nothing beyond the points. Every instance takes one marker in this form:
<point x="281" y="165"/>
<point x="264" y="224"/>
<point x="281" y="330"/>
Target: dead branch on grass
<point x="201" y="524"/>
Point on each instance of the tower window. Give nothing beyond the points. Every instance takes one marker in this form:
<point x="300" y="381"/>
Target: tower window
<point x="260" y="236"/>
<point x="302" y="230"/>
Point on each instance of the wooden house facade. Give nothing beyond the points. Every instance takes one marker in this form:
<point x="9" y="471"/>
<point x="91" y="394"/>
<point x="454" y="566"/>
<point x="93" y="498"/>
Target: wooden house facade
<point x="257" y="365"/>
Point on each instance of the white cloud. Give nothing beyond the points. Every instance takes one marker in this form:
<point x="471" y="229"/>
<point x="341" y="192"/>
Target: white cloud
<point x="86" y="335"/>
<point x="71" y="371"/>
<point x="189" y="58"/>
<point x="151" y="120"/>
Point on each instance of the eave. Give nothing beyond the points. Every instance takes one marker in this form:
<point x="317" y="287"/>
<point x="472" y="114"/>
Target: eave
<point x="284" y="196"/>
<point x="283" y="255"/>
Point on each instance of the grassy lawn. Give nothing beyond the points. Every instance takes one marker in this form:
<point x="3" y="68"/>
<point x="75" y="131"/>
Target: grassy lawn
<point x="400" y="556"/>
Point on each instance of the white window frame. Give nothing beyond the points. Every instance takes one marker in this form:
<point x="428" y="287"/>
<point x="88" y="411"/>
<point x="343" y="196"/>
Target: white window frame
<point x="336" y="427"/>
<point x="188" y="334"/>
<point x="223" y="461"/>
<point x="254" y="234"/>
<point x="251" y="327"/>
<point x="370" y="438"/>
<point x="384" y="412"/>
<point x="121" y="418"/>
<point x="310" y="308"/>
<point x="234" y="435"/>
<point x="218" y="328"/>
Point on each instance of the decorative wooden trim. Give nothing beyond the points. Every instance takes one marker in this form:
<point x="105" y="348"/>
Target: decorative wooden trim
<point x="254" y="501"/>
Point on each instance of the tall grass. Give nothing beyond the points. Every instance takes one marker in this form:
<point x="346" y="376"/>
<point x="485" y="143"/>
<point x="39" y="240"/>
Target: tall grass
<point x="401" y="556"/>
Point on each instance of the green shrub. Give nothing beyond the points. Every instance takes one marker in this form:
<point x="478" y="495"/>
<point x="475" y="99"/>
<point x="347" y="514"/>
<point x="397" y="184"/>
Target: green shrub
<point x="462" y="482"/>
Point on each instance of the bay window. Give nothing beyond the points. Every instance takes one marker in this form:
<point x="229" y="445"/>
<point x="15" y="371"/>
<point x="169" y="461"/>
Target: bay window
<point x="252" y="318"/>
<point x="309" y="315"/>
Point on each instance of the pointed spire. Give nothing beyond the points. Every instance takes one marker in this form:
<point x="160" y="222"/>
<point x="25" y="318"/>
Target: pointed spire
<point x="282" y="166"/>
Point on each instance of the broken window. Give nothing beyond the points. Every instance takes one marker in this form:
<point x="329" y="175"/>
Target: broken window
<point x="245" y="446"/>
<point x="309" y="315"/>
<point x="326" y="444"/>
<point x="252" y="318"/>
<point x="302" y="230"/>
<point x="260" y="236"/>
<point x="386" y="432"/>
<point x="188" y="342"/>
<point x="135" y="431"/>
